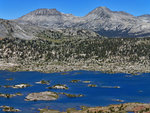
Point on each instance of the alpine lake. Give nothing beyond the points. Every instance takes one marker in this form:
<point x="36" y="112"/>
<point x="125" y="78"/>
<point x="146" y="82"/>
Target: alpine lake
<point x="96" y="88"/>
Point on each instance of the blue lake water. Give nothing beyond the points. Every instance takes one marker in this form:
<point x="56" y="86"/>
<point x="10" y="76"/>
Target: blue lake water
<point x="132" y="89"/>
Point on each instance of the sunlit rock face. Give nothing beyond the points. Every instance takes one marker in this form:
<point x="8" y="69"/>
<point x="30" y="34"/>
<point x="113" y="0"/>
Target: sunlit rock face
<point x="145" y="18"/>
<point x="12" y="29"/>
<point x="102" y="20"/>
<point x="49" y="18"/>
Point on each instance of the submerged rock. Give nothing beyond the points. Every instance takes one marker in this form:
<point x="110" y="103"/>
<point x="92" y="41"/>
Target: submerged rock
<point x="92" y="85"/>
<point x="86" y="81"/>
<point x="43" y="82"/>
<point x="9" y="79"/>
<point x="6" y="86"/>
<point x="75" y="81"/>
<point x="72" y="95"/>
<point x="42" y="96"/>
<point x="64" y="73"/>
<point x="117" y="100"/>
<point x="110" y="86"/>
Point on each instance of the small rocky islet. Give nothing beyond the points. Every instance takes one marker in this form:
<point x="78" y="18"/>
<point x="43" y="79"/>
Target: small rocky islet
<point x="10" y="95"/>
<point x="9" y="109"/>
<point x="58" y="86"/>
<point x="43" y="82"/>
<point x="18" y="86"/>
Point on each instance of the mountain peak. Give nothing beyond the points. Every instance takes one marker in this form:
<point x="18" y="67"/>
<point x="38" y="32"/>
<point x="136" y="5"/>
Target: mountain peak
<point x="47" y="12"/>
<point x="99" y="12"/>
<point x="103" y="8"/>
<point x="106" y="13"/>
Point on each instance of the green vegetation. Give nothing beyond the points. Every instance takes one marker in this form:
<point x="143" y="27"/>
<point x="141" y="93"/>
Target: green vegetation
<point x="79" y="48"/>
<point x="66" y="54"/>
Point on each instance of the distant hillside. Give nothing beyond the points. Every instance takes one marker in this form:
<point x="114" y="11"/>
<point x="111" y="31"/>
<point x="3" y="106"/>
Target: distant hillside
<point x="10" y="29"/>
<point x="13" y="29"/>
<point x="65" y="54"/>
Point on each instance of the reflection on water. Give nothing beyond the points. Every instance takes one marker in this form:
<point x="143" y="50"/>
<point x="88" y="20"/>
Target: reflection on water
<point x="110" y="87"/>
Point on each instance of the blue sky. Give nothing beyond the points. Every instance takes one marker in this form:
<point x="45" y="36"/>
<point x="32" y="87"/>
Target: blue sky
<point x="11" y="9"/>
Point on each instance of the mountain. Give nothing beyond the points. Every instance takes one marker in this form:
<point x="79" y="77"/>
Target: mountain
<point x="49" y="18"/>
<point x="145" y="18"/>
<point x="101" y="20"/>
<point x="13" y="29"/>
<point x="116" y="24"/>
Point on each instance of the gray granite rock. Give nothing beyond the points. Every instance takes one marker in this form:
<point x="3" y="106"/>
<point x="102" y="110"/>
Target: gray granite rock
<point x="41" y="96"/>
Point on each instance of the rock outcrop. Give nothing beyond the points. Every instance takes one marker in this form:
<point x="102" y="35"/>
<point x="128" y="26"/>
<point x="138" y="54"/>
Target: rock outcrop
<point x="42" y="96"/>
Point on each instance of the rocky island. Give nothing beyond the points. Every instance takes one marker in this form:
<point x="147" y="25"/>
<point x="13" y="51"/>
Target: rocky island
<point x="42" y="96"/>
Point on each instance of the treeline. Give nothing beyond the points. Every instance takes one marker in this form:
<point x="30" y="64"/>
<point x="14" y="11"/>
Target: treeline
<point x="69" y="49"/>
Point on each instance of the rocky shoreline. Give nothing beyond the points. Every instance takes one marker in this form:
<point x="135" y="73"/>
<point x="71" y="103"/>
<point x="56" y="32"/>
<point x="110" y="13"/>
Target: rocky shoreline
<point x="114" y="108"/>
<point x="120" y="108"/>
<point x="131" y="68"/>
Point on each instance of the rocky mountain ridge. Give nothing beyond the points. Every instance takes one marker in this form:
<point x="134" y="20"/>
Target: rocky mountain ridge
<point x="101" y="20"/>
<point x="145" y="18"/>
<point x="11" y="29"/>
